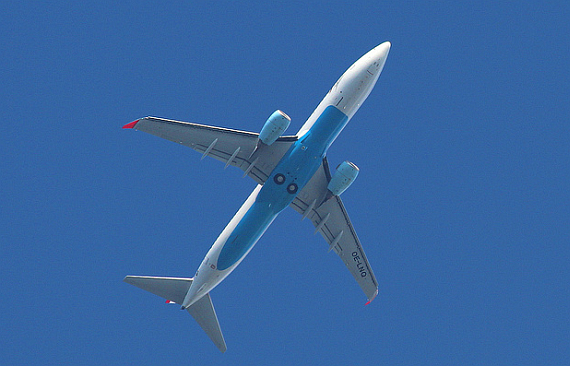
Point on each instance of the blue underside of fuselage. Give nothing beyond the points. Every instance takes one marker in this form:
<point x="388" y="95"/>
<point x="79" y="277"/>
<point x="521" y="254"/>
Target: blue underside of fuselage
<point x="245" y="235"/>
<point x="298" y="166"/>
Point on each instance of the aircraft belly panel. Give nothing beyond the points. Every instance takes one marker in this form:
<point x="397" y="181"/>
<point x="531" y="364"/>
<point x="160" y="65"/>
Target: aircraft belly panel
<point x="251" y="227"/>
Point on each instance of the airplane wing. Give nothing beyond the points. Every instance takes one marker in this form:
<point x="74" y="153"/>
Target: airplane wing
<point x="331" y="220"/>
<point x="232" y="147"/>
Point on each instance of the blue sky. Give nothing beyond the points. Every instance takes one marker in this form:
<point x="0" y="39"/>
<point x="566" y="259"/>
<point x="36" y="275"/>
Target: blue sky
<point x="462" y="203"/>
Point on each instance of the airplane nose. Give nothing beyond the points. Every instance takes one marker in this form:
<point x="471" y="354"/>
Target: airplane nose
<point x="385" y="46"/>
<point x="380" y="53"/>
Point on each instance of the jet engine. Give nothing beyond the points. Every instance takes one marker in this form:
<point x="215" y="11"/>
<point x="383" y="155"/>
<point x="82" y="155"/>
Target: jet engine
<point x="345" y="174"/>
<point x="276" y="124"/>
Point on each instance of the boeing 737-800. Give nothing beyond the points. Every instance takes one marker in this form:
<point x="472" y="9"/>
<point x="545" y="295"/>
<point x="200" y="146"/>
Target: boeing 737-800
<point x="289" y="171"/>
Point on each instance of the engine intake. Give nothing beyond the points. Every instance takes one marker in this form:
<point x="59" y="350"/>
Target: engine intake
<point x="344" y="176"/>
<point x="276" y="124"/>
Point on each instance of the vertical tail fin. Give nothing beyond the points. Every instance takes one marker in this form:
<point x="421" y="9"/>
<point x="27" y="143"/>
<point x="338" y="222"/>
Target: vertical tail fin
<point x="175" y="289"/>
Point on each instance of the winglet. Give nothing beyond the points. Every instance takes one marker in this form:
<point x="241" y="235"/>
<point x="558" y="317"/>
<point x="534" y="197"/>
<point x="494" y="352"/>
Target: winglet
<point x="373" y="297"/>
<point x="131" y="125"/>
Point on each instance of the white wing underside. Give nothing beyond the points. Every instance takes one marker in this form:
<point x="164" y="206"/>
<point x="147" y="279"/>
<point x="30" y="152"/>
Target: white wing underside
<point x="232" y="147"/>
<point x="332" y="222"/>
<point x="240" y="149"/>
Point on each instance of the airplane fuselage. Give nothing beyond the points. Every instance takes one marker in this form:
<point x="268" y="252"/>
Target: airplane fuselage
<point x="290" y="175"/>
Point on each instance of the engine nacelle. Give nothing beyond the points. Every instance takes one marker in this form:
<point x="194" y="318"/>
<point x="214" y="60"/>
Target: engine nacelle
<point x="345" y="174"/>
<point x="276" y="124"/>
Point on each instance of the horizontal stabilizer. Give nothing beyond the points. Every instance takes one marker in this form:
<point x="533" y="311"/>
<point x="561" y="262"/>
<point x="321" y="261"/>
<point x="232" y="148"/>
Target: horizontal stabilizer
<point x="175" y="289"/>
<point x="204" y="313"/>
<point x="170" y="288"/>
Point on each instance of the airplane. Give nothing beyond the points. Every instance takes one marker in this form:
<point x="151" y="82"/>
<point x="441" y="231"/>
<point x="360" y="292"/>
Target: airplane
<point x="289" y="171"/>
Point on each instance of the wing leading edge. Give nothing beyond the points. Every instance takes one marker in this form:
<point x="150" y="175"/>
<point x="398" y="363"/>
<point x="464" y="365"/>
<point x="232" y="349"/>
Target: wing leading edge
<point x="331" y="220"/>
<point x="232" y="147"/>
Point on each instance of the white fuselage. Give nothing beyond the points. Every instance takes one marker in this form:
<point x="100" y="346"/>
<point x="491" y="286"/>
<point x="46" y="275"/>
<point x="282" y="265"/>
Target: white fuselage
<point x="268" y="200"/>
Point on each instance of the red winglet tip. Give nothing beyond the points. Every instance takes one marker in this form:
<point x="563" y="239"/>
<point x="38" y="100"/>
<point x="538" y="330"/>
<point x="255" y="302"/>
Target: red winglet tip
<point x="373" y="297"/>
<point x="131" y="125"/>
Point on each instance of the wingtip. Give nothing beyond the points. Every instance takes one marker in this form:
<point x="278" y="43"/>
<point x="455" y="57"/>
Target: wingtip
<point x="131" y="125"/>
<point x="373" y="297"/>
